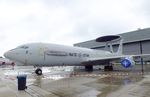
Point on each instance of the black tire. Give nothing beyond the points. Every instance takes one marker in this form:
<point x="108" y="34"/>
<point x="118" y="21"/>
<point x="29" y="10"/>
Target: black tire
<point x="105" y="68"/>
<point x="38" y="71"/>
<point x="111" y="68"/>
<point x="3" y="63"/>
<point x="108" y="68"/>
<point x="89" y="68"/>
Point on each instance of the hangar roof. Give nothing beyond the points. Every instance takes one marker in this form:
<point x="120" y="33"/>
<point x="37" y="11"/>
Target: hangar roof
<point x="128" y="37"/>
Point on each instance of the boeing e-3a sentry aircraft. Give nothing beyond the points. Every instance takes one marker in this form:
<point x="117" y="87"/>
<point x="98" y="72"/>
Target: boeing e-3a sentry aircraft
<point x="44" y="54"/>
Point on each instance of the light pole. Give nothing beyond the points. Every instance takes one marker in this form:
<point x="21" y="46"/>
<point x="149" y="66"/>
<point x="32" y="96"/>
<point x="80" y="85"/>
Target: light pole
<point x="141" y="51"/>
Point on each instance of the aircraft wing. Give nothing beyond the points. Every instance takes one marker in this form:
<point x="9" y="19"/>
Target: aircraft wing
<point x="108" y="59"/>
<point x="140" y="55"/>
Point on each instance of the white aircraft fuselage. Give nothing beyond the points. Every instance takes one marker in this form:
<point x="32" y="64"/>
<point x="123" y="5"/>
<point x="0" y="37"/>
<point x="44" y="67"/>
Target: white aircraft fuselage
<point x="44" y="54"/>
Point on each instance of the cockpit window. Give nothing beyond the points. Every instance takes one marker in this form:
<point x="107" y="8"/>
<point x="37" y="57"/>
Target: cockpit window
<point x="24" y="47"/>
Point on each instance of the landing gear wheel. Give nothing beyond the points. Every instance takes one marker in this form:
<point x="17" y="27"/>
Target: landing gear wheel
<point x="108" y="68"/>
<point x="111" y="68"/>
<point x="89" y="68"/>
<point x="38" y="71"/>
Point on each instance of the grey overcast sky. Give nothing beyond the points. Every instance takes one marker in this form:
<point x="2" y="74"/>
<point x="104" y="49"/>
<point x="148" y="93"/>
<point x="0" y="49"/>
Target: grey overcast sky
<point x="68" y="21"/>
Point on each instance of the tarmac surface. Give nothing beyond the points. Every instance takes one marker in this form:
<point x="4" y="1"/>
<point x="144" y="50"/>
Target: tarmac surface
<point x="62" y="83"/>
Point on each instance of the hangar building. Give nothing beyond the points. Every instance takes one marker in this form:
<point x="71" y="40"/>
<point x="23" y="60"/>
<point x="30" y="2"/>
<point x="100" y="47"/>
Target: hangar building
<point x="134" y="42"/>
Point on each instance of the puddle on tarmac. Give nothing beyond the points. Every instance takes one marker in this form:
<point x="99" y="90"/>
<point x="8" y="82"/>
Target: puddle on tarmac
<point x="147" y="83"/>
<point x="146" y="86"/>
<point x="114" y="83"/>
<point x="108" y="89"/>
<point x="120" y="80"/>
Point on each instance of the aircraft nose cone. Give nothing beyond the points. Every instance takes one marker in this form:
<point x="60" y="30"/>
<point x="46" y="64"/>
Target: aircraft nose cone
<point x="6" y="54"/>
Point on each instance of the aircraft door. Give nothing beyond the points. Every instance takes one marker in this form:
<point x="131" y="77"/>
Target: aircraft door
<point x="41" y="53"/>
<point x="25" y="58"/>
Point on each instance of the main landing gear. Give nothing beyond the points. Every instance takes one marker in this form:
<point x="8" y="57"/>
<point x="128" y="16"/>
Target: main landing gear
<point x="89" y="68"/>
<point x="108" y="68"/>
<point x="38" y="71"/>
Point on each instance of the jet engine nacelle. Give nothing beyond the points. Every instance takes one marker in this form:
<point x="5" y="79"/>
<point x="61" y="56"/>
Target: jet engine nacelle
<point x="127" y="62"/>
<point x="2" y="63"/>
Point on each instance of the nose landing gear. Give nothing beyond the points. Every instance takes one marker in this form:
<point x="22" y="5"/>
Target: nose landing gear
<point x="38" y="71"/>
